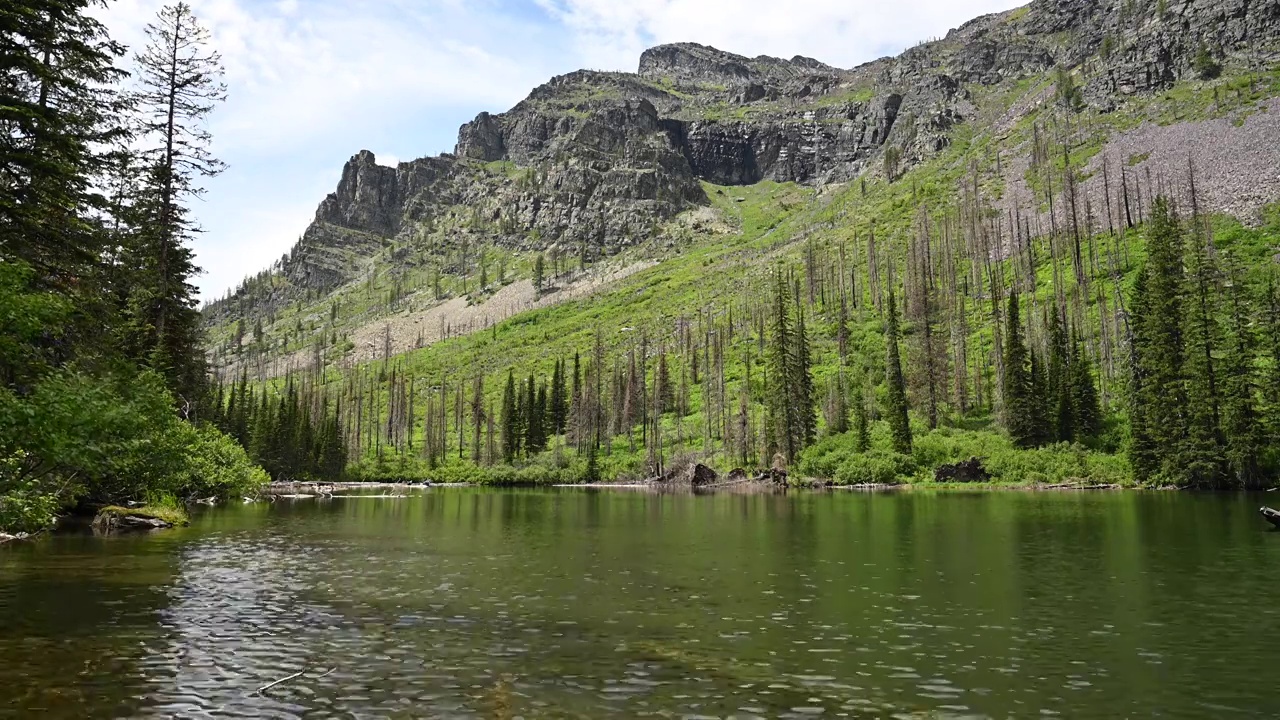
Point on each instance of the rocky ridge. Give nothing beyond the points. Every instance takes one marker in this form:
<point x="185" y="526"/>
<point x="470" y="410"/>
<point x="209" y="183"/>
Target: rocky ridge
<point x="591" y="162"/>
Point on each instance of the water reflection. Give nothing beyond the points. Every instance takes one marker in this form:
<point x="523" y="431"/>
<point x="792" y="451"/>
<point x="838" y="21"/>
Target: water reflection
<point x="471" y="603"/>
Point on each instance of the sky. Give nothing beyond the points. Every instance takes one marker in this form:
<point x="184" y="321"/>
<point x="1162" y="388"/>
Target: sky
<point x="313" y="82"/>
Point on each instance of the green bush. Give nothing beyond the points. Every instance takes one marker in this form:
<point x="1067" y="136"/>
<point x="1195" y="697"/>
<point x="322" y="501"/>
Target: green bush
<point x="107" y="439"/>
<point x="219" y="467"/>
<point x="834" y="458"/>
<point x="1206" y="67"/>
<point x="876" y="467"/>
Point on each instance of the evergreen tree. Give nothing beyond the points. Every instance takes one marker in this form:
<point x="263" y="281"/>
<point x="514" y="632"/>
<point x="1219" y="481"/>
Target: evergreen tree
<point x="539" y="273"/>
<point x="896" y="401"/>
<point x="180" y="83"/>
<point x="837" y="405"/>
<point x="537" y="421"/>
<point x="1159" y="353"/>
<point x="60" y="118"/>
<point x="1021" y="416"/>
<point x="1202" y="451"/>
<point x="781" y="408"/>
<point x="510" y="426"/>
<point x="1143" y="458"/>
<point x="1059" y="382"/>
<point x="559" y="400"/>
<point x="477" y="418"/>
<point x="1271" y="326"/>
<point x="1244" y="435"/>
<point x="861" y="424"/>
<point x="665" y="391"/>
<point x="1085" y="407"/>
<point x="801" y="383"/>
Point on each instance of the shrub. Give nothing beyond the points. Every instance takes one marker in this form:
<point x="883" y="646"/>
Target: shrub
<point x="1205" y="66"/>
<point x="877" y="467"/>
<point x="107" y="439"/>
<point x="218" y="466"/>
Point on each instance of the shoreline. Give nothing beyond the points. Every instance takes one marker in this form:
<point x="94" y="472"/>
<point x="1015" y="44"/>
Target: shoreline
<point x="299" y="490"/>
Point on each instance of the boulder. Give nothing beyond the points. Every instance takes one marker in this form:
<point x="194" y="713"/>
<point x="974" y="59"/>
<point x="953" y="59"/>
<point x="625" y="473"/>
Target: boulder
<point x="965" y="471"/>
<point x="117" y="519"/>
<point x="695" y="475"/>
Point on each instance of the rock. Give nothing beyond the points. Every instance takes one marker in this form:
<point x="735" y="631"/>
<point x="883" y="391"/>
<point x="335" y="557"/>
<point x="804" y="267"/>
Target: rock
<point x="123" y="520"/>
<point x="605" y="159"/>
<point x="694" y="475"/>
<point x="737" y="475"/>
<point x="965" y="471"/>
<point x="6" y="537"/>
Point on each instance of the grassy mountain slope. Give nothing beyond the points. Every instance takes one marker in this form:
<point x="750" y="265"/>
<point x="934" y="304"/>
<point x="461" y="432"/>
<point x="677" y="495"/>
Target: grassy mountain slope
<point x="1057" y="154"/>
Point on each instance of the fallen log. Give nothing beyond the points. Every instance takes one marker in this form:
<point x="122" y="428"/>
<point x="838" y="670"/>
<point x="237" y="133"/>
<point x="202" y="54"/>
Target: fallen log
<point x="1271" y="515"/>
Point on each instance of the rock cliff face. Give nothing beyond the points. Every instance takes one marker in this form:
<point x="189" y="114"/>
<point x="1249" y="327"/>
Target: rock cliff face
<point x="595" y="161"/>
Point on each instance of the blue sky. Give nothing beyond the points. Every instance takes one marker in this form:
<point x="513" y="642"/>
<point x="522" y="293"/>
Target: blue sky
<point x="312" y="82"/>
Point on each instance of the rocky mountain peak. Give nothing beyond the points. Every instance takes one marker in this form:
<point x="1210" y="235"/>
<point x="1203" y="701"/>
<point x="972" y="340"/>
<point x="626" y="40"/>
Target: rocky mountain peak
<point x="603" y="159"/>
<point x="695" y="63"/>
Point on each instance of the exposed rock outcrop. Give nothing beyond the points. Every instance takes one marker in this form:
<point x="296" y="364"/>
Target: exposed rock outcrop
<point x="591" y="162"/>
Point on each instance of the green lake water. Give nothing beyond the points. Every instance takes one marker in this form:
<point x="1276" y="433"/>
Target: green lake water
<point x="575" y="603"/>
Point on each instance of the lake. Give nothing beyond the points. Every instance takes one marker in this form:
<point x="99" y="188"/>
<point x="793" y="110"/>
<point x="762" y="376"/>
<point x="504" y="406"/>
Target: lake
<point x="575" y="603"/>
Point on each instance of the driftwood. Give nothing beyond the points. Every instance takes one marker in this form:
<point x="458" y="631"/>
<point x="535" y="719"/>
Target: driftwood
<point x="1271" y="515"/>
<point x="296" y="675"/>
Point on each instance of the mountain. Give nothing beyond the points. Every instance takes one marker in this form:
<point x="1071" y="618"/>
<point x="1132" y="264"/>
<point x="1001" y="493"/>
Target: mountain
<point x="607" y="206"/>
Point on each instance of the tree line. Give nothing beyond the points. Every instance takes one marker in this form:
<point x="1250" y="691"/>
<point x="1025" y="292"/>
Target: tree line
<point x="1103" y="321"/>
<point x="103" y="386"/>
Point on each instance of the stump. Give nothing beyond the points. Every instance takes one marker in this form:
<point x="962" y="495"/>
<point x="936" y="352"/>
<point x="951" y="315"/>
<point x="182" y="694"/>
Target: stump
<point x="965" y="471"/>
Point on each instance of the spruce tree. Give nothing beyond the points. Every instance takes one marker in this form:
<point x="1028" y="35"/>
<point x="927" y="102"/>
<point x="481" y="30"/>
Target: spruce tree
<point x="801" y="382"/>
<point x="1144" y="460"/>
<point x="1058" y="382"/>
<point x="1244" y="435"/>
<point x="179" y="85"/>
<point x="1271" y="328"/>
<point x="665" y="390"/>
<point x="538" y="421"/>
<point x="510" y="427"/>
<point x="896" y="411"/>
<point x="861" y="424"/>
<point x="1201" y="461"/>
<point x="779" y="398"/>
<point x="1085" y="407"/>
<point x="1161" y="428"/>
<point x="1021" y="419"/>
<point x="529" y="421"/>
<point x="559" y="399"/>
<point x="539" y="273"/>
<point x="60" y="116"/>
<point x="837" y="405"/>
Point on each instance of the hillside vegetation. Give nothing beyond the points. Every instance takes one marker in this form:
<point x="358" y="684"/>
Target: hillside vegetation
<point x="1062" y="303"/>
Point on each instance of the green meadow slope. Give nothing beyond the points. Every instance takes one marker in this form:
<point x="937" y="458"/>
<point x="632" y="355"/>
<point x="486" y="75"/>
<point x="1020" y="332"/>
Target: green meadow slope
<point x="1043" y="189"/>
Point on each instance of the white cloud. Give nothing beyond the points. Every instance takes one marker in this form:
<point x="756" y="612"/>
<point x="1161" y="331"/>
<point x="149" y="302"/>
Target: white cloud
<point x="844" y="33"/>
